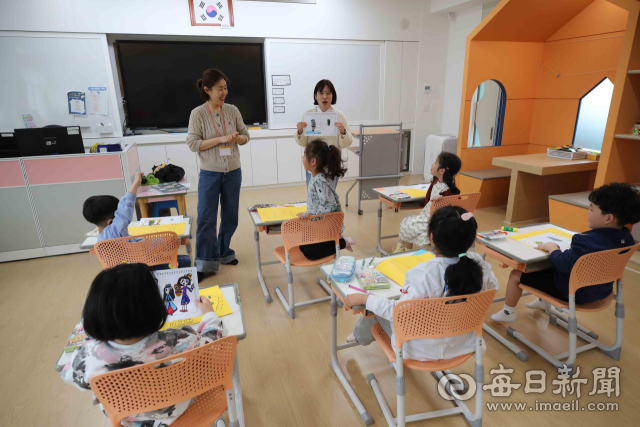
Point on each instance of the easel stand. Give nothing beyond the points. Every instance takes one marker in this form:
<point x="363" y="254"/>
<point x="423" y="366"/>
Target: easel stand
<point x="380" y="154"/>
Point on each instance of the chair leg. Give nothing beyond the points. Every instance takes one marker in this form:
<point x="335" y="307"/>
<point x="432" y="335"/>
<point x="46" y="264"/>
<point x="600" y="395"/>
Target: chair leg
<point x="289" y="306"/>
<point x="231" y="408"/>
<point x="401" y="390"/>
<point x="373" y="383"/>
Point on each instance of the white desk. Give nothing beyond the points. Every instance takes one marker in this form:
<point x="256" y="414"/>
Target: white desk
<point x="403" y="204"/>
<point x="232" y="324"/>
<point x="342" y="290"/>
<point x="511" y="253"/>
<point x="269" y="227"/>
<point x="185" y="238"/>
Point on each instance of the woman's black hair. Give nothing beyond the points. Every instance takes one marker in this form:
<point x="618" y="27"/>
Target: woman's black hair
<point x="451" y="236"/>
<point x="209" y="79"/>
<point x="451" y="165"/>
<point x="320" y="87"/>
<point x="124" y="303"/>
<point x="328" y="158"/>
<point x="171" y="293"/>
<point x="618" y="199"/>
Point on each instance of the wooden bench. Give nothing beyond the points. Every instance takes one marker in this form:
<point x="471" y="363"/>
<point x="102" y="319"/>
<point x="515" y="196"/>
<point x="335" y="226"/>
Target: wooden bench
<point x="492" y="183"/>
<point x="570" y="210"/>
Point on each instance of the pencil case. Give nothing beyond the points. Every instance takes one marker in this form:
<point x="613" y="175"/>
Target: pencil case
<point x="343" y="269"/>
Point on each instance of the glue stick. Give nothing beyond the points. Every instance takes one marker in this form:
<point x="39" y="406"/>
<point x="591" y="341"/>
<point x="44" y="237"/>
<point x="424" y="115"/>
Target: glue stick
<point x="508" y="229"/>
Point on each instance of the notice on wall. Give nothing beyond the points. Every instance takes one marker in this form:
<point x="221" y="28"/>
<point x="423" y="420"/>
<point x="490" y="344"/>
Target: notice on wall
<point x="278" y="109"/>
<point x="77" y="103"/>
<point x="278" y="100"/>
<point x="284" y="80"/>
<point x="29" y="121"/>
<point x="98" y="101"/>
<point x="277" y="91"/>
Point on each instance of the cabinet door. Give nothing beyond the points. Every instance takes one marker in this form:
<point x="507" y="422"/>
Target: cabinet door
<point x="180" y="155"/>
<point x="151" y="155"/>
<point x="264" y="162"/>
<point x="245" y="164"/>
<point x="289" y="157"/>
<point x="409" y="82"/>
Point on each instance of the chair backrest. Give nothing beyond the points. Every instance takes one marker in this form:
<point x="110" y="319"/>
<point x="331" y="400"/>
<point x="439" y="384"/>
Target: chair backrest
<point x="600" y="267"/>
<point x="318" y="228"/>
<point x="435" y="318"/>
<point x="468" y="201"/>
<point x="152" y="386"/>
<point x="156" y="248"/>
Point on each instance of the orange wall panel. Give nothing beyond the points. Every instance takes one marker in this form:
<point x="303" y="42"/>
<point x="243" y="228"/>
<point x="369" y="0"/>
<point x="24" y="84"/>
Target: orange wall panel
<point x="517" y="121"/>
<point x="584" y="56"/>
<point x="554" y="121"/>
<point x="515" y="65"/>
<point x="568" y="216"/>
<point x="573" y="86"/>
<point x="481" y="158"/>
<point x="494" y="192"/>
<point x="598" y="18"/>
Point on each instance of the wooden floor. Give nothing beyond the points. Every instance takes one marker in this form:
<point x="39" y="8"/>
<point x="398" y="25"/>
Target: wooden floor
<point x="285" y="371"/>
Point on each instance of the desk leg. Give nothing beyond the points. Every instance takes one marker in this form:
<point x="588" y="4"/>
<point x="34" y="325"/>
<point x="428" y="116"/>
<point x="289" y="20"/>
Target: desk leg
<point x="182" y="205"/>
<point x="267" y="296"/>
<point x="237" y="387"/>
<point x="359" y="196"/>
<point x="346" y="197"/>
<point x="382" y="251"/>
<point x="366" y="418"/>
<point x="144" y="211"/>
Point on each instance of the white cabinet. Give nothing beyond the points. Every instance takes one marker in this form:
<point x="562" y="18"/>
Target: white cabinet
<point x="245" y="164"/>
<point x="353" y="163"/>
<point x="264" y="161"/>
<point x="302" y="169"/>
<point x="409" y="82"/>
<point x="180" y="155"/>
<point x="289" y="158"/>
<point x="392" y="76"/>
<point x="150" y="156"/>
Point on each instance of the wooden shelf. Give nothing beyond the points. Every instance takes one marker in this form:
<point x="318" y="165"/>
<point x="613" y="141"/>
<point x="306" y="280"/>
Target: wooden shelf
<point x="634" y="71"/>
<point x="623" y="136"/>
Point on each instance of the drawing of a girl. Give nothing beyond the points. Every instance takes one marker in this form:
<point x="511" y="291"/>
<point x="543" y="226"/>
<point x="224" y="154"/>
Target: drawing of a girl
<point x="185" y="284"/>
<point x="168" y="296"/>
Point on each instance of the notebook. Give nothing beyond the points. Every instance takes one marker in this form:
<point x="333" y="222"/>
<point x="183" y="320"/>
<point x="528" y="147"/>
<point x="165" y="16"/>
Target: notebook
<point x="179" y="290"/>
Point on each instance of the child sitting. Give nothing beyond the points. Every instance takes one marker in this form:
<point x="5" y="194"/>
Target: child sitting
<point x="122" y="317"/>
<point x="414" y="230"/>
<point x="113" y="217"/>
<point x="453" y="271"/>
<point x="612" y="206"/>
<point x="324" y="162"/>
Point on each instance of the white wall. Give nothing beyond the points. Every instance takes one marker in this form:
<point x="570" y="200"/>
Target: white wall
<point x="462" y="24"/>
<point x="434" y="35"/>
<point x="327" y="19"/>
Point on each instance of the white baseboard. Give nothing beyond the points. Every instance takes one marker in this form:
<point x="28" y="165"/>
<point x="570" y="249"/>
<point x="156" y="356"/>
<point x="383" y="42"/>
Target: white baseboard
<point x="23" y="254"/>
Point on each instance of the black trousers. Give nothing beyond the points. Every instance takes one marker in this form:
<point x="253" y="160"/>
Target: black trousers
<point x="321" y="250"/>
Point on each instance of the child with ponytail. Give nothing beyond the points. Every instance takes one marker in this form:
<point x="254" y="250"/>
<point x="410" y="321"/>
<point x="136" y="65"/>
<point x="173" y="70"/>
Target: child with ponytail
<point x="324" y="162"/>
<point x="453" y="271"/>
<point x="414" y="229"/>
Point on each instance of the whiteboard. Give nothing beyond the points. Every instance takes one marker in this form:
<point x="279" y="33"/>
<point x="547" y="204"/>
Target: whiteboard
<point x="356" y="69"/>
<point x="37" y="71"/>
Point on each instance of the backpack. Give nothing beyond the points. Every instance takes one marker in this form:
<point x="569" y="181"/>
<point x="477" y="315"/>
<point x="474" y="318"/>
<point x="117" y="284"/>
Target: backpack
<point x="168" y="173"/>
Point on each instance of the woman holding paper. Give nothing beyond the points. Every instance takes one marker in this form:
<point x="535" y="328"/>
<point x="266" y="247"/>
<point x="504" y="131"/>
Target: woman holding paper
<point x="216" y="130"/>
<point x="324" y="96"/>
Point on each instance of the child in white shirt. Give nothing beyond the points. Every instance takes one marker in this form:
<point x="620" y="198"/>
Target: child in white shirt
<point x="122" y="317"/>
<point x="453" y="271"/>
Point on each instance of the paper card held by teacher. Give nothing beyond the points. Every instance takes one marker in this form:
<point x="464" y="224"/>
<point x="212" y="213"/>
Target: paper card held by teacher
<point x="320" y="124"/>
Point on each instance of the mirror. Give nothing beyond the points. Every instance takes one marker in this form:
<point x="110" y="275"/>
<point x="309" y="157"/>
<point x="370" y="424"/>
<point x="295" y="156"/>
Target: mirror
<point x="487" y="115"/>
<point x="592" y="116"/>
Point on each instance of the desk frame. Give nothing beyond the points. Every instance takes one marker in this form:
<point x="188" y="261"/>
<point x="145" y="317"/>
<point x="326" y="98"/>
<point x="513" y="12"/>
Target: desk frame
<point x="398" y="205"/>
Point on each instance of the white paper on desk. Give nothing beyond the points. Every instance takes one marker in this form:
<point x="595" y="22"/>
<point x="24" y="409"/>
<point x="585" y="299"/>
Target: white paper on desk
<point x="321" y="124"/>
<point x="167" y="187"/>
<point x="98" y="101"/>
<point x="165" y="220"/>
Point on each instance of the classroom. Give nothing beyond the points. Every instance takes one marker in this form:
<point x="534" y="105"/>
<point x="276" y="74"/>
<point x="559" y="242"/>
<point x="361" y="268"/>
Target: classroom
<point x="197" y="231"/>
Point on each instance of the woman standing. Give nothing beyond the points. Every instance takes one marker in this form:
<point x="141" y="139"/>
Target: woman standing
<point x="215" y="131"/>
<point x="324" y="96"/>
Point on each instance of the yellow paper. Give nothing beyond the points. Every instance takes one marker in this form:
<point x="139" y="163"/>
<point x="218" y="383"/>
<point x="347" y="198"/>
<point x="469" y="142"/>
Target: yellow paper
<point x="177" y="228"/>
<point x="220" y="306"/>
<point x="396" y="268"/>
<point x="413" y="192"/>
<point x="280" y="213"/>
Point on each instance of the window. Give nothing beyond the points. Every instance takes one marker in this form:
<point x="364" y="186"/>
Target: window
<point x="592" y="116"/>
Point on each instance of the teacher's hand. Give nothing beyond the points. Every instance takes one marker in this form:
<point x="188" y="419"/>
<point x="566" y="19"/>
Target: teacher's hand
<point x="301" y="126"/>
<point x="234" y="137"/>
<point x="226" y="139"/>
<point x="341" y="128"/>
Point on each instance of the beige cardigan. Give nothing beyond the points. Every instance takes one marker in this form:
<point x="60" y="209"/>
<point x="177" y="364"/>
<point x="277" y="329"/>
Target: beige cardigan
<point x="201" y="128"/>
<point x="340" y="141"/>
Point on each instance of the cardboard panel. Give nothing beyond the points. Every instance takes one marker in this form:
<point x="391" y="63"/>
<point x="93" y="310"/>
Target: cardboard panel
<point x="554" y="121"/>
<point x="599" y="17"/>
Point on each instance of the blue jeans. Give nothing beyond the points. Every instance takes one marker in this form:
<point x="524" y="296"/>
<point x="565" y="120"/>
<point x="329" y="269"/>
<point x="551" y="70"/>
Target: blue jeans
<point x="183" y="262"/>
<point x="212" y="248"/>
<point x="335" y="180"/>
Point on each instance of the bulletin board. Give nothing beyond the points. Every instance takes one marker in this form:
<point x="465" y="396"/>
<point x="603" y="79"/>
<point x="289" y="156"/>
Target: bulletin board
<point x="38" y="70"/>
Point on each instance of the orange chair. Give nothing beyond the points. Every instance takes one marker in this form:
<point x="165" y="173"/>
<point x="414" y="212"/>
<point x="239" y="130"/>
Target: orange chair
<point x="296" y="232"/>
<point x="156" y="248"/>
<point x="204" y="372"/>
<point x="428" y="319"/>
<point x="467" y="201"/>
<point x="591" y="269"/>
